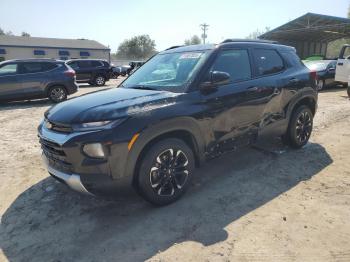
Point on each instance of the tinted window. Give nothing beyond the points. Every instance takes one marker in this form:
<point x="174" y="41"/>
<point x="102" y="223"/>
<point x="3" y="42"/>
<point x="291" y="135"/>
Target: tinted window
<point x="84" y="64"/>
<point x="8" y="69"/>
<point x="96" y="63"/>
<point x="235" y="62"/>
<point x="48" y="66"/>
<point x="267" y="61"/>
<point x="73" y="64"/>
<point x="30" y="68"/>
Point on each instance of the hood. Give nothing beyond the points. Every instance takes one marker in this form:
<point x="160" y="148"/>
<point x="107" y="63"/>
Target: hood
<point x="109" y="105"/>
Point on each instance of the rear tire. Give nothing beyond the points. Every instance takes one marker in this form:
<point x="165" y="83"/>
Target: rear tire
<point x="100" y="80"/>
<point x="57" y="94"/>
<point x="299" y="128"/>
<point x="165" y="172"/>
<point x="320" y="84"/>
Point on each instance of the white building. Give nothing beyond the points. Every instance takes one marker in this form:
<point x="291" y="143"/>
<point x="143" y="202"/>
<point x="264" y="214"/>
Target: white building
<point x="21" y="47"/>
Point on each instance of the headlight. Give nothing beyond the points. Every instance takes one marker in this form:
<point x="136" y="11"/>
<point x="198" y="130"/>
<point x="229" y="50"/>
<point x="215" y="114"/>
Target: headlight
<point x="90" y="126"/>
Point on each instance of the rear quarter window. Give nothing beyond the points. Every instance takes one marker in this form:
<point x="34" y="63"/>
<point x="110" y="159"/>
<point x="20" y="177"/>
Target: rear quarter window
<point x="267" y="62"/>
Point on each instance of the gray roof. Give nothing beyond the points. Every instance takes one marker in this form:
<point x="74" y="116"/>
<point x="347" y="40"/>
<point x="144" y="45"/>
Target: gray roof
<point x="311" y="27"/>
<point x="41" y="42"/>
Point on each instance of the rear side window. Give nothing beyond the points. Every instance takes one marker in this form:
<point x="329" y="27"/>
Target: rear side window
<point x="73" y="64"/>
<point x="29" y="68"/>
<point x="8" y="69"/>
<point x="96" y="63"/>
<point x="267" y="61"/>
<point x="235" y="62"/>
<point x="84" y="64"/>
<point x="49" y="66"/>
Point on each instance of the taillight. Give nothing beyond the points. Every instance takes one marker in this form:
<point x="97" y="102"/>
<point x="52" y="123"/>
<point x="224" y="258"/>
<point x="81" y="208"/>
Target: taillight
<point x="70" y="73"/>
<point x="313" y="75"/>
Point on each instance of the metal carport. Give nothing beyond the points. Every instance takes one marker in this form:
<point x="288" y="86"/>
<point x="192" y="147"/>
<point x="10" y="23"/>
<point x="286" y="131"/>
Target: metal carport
<point x="311" y="33"/>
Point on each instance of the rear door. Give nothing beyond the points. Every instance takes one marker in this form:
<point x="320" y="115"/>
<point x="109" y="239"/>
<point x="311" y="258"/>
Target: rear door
<point x="85" y="70"/>
<point x="34" y="77"/>
<point x="9" y="84"/>
<point x="342" y="72"/>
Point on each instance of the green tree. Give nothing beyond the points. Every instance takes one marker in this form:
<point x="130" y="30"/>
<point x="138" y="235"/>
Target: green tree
<point x="1" y="31"/>
<point x="194" y="40"/>
<point x="137" y="47"/>
<point x="25" y="34"/>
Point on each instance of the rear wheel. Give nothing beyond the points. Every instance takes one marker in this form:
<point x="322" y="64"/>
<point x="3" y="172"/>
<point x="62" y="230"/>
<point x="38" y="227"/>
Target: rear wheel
<point x="320" y="84"/>
<point x="57" y="94"/>
<point x="100" y="80"/>
<point x="165" y="171"/>
<point x="300" y="127"/>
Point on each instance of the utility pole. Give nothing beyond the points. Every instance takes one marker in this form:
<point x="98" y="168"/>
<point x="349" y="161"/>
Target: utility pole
<point x="204" y="27"/>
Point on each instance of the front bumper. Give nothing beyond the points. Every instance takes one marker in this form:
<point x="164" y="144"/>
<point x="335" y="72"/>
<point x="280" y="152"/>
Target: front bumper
<point x="71" y="180"/>
<point x="65" y="161"/>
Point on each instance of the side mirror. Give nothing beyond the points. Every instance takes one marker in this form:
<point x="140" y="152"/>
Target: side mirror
<point x="216" y="78"/>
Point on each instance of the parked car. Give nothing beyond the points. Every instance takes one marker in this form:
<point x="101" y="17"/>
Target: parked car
<point x="342" y="72"/>
<point x="115" y="72"/>
<point x="325" y="71"/>
<point x="134" y="65"/>
<point x="36" y="78"/>
<point x="152" y="131"/>
<point x="92" y="71"/>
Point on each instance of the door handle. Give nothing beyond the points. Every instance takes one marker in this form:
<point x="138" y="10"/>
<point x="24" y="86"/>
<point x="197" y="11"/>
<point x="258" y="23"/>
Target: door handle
<point x="340" y="64"/>
<point x="294" y="81"/>
<point x="253" y="89"/>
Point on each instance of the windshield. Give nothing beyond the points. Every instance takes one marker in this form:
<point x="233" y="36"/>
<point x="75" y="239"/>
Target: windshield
<point x="171" y="71"/>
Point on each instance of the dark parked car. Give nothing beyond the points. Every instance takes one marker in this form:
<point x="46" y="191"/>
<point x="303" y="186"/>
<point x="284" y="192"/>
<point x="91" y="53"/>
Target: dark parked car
<point x="92" y="71"/>
<point x="36" y="78"/>
<point x="325" y="71"/>
<point x="152" y="131"/>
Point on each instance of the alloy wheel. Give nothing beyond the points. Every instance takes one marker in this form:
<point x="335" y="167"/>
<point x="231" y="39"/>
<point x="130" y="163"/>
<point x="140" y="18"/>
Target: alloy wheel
<point x="100" y="81"/>
<point x="57" y="94"/>
<point x="169" y="172"/>
<point x="303" y="127"/>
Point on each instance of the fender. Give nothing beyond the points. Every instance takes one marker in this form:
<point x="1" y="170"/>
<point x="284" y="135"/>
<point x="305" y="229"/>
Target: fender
<point x="310" y="93"/>
<point x="147" y="135"/>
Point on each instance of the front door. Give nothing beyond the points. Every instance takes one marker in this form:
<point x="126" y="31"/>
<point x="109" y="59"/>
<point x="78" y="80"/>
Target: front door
<point x="9" y="84"/>
<point x="342" y="71"/>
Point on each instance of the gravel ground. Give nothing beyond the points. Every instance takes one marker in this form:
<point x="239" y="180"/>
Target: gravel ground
<point x="264" y="204"/>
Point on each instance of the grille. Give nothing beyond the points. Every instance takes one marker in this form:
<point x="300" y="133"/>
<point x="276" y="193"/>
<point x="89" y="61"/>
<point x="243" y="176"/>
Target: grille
<point x="55" y="156"/>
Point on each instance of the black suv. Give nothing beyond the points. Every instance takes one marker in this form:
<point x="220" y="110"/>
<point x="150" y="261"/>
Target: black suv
<point x="182" y="107"/>
<point x="36" y="78"/>
<point x="92" y="71"/>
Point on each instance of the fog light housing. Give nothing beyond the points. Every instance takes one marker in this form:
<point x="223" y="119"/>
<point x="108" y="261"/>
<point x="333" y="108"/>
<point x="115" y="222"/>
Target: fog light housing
<point x="94" y="150"/>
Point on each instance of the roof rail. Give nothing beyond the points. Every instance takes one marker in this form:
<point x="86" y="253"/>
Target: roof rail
<point x="232" y="40"/>
<point x="172" y="47"/>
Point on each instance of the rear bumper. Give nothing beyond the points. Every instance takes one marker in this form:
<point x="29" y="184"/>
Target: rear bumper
<point x="71" y="180"/>
<point x="72" y="88"/>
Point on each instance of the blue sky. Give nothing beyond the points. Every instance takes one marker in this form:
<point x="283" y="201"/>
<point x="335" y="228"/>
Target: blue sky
<point x="167" y="22"/>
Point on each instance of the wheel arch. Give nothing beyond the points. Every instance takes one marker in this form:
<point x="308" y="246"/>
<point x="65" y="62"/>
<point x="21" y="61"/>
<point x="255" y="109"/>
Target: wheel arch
<point x="182" y="128"/>
<point x="51" y="85"/>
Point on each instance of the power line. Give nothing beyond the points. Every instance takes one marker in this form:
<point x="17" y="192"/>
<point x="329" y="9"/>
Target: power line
<point x="204" y="27"/>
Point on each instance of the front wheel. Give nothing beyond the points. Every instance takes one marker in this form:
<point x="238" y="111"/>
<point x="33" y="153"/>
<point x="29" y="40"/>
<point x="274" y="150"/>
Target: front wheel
<point x="300" y="128"/>
<point x="57" y="94"/>
<point x="165" y="171"/>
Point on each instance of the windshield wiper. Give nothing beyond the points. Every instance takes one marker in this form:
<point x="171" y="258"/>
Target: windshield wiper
<point x="142" y="87"/>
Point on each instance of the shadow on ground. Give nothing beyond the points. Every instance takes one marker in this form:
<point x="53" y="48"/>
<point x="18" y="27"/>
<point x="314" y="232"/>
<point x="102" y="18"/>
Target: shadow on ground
<point x="48" y="222"/>
<point x="4" y="106"/>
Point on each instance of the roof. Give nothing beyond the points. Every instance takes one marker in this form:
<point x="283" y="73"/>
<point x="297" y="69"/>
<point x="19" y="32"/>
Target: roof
<point x="311" y="27"/>
<point x="188" y="48"/>
<point x="41" y="42"/>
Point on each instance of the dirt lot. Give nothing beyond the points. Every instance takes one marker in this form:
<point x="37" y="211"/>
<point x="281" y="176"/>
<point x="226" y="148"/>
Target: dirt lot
<point x="270" y="204"/>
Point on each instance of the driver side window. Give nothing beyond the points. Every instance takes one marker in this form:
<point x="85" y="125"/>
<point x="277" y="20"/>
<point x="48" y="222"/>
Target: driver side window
<point x="234" y="62"/>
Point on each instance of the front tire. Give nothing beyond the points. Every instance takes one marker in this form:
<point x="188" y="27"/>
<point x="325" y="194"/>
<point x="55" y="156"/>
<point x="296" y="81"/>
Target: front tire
<point x="165" y="172"/>
<point x="299" y="128"/>
<point x="57" y="94"/>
